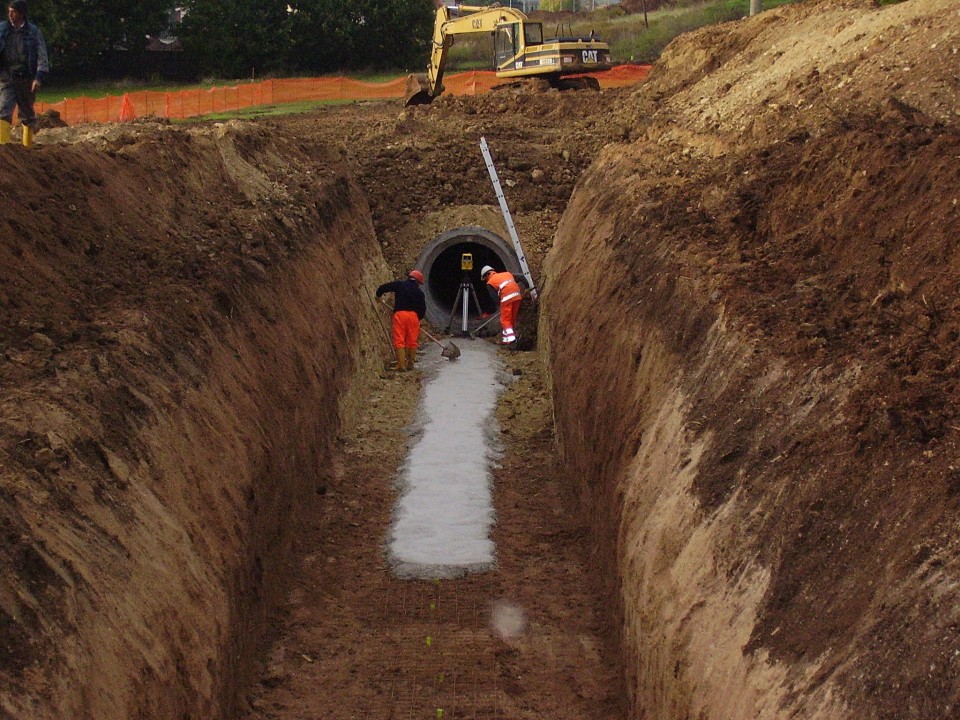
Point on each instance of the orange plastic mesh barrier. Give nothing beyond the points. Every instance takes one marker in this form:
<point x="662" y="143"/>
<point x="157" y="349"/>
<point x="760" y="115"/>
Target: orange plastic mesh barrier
<point x="191" y="103"/>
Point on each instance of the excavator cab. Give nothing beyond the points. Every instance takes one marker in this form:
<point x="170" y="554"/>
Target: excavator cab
<point x="512" y="42"/>
<point x="506" y="44"/>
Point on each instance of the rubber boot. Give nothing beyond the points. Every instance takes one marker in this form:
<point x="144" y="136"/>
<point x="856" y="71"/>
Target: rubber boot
<point x="411" y="358"/>
<point x="27" y="136"/>
<point x="4" y="132"/>
<point x="401" y="359"/>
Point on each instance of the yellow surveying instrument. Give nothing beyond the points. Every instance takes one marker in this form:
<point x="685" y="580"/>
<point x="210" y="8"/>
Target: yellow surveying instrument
<point x="464" y="295"/>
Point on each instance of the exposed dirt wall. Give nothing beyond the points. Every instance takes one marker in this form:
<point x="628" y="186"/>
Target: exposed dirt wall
<point x="168" y="419"/>
<point x="752" y="336"/>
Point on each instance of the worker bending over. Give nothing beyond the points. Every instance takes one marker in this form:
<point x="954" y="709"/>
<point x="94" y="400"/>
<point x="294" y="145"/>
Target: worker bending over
<point x="409" y="307"/>
<point x="507" y="289"/>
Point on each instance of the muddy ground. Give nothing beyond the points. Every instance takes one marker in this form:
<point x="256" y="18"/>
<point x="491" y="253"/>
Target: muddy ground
<point x="729" y="482"/>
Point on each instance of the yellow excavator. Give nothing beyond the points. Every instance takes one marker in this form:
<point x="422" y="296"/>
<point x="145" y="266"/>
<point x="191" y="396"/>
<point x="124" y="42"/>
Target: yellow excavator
<point x="519" y="49"/>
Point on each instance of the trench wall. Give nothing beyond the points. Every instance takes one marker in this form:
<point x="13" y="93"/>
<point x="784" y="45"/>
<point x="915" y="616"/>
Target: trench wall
<point x="768" y="484"/>
<point x="751" y="318"/>
<point x="187" y="459"/>
<point x="639" y="359"/>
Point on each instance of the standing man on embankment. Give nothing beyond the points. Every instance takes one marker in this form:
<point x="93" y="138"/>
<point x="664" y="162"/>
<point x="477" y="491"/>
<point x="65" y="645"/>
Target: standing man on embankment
<point x="23" y="65"/>
<point x="409" y="307"/>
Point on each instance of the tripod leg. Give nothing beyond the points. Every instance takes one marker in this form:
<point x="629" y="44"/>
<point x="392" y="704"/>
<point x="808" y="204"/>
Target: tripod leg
<point x="453" y="308"/>
<point x="476" y="304"/>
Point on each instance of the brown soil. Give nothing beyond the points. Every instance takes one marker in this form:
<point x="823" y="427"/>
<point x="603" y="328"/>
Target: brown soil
<point x="729" y="484"/>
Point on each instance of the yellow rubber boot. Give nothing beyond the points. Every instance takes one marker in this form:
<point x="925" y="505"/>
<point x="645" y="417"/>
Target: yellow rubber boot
<point x="401" y="358"/>
<point x="411" y="357"/>
<point x="4" y="132"/>
<point x="27" y="136"/>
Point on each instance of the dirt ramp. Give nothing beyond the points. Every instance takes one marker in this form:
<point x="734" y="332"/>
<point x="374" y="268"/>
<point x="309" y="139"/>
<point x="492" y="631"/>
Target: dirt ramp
<point x="765" y="436"/>
<point x="178" y="351"/>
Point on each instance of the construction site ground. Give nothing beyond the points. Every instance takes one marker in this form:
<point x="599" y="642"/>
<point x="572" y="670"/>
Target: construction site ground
<point x="730" y="479"/>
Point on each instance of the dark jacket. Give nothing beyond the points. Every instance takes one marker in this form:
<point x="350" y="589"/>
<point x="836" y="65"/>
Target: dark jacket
<point x="36" y="48"/>
<point x="407" y="296"/>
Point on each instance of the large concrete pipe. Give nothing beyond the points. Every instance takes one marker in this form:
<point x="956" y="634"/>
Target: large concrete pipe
<point x="441" y="265"/>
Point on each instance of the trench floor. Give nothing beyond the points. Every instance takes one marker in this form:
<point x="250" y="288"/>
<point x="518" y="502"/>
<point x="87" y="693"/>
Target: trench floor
<point x="529" y="638"/>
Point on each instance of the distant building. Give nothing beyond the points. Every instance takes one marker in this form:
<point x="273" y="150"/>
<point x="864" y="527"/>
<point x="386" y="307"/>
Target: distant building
<point x="167" y="37"/>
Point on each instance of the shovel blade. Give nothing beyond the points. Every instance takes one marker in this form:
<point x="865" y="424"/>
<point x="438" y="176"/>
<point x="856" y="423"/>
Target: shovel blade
<point x="450" y="351"/>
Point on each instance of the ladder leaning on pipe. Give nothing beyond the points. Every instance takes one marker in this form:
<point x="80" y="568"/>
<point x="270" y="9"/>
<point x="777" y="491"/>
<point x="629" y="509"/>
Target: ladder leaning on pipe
<point x="506" y="216"/>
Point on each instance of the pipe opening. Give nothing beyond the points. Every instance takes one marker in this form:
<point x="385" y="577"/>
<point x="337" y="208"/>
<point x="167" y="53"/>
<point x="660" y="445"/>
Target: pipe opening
<point x="441" y="264"/>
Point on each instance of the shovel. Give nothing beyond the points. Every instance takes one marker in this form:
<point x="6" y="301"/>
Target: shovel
<point x="448" y="349"/>
<point x="383" y="326"/>
<point x="473" y="333"/>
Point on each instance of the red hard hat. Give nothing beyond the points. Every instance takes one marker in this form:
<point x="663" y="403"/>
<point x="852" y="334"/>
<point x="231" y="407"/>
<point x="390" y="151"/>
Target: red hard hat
<point x="416" y="275"/>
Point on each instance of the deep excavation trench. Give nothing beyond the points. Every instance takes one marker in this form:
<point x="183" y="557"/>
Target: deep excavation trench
<point x="728" y="488"/>
<point x="208" y="445"/>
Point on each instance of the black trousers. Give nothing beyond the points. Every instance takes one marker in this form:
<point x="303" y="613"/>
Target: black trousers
<point x="17" y="93"/>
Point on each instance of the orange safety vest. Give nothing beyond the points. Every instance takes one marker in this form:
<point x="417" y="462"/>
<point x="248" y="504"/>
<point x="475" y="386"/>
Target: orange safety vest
<point x="505" y="285"/>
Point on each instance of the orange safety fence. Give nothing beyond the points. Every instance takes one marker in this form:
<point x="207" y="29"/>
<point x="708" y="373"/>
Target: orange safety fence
<point x="191" y="103"/>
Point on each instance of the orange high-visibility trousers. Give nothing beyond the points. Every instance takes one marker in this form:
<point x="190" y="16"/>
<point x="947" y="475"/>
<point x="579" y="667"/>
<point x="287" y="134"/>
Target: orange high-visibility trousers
<point x="406" y="329"/>
<point x="508" y="317"/>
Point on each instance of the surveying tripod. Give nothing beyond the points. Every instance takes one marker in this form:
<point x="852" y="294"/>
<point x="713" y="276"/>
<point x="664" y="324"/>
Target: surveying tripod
<point x="464" y="295"/>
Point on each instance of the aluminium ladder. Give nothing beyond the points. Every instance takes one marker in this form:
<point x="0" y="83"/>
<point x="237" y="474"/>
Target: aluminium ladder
<point x="506" y="216"/>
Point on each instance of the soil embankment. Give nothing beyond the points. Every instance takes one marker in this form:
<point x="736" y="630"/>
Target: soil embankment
<point x="749" y="317"/>
<point x="161" y="430"/>
<point x="768" y="302"/>
<point x="182" y="320"/>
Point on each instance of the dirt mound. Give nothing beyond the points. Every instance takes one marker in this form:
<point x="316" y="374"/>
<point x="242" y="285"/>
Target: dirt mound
<point x="782" y="276"/>
<point x="157" y="382"/>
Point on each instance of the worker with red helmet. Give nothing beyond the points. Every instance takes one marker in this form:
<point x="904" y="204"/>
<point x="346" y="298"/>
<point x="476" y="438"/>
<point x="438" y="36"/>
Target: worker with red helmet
<point x="409" y="307"/>
<point x="510" y="295"/>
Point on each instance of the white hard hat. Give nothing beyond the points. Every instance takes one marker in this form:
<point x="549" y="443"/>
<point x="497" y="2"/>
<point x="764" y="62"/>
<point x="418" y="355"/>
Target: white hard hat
<point x="486" y="269"/>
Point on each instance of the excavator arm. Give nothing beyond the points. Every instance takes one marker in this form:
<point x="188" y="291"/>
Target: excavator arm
<point x="449" y="22"/>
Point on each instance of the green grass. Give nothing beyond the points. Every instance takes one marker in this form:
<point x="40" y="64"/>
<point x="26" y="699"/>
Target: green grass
<point x="263" y="111"/>
<point x="57" y="93"/>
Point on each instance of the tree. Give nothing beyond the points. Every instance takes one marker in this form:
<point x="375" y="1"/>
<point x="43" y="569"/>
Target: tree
<point x="395" y="33"/>
<point x="236" y="38"/>
<point x="81" y="35"/>
<point x="329" y="35"/>
<point x="322" y="34"/>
